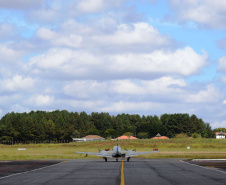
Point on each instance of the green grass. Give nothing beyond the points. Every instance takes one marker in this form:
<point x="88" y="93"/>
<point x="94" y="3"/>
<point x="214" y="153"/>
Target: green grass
<point x="173" y="148"/>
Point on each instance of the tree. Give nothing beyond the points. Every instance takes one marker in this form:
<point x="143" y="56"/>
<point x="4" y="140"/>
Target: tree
<point x="142" y="135"/>
<point x="110" y="133"/>
<point x="128" y="134"/>
<point x="50" y="129"/>
<point x="93" y="131"/>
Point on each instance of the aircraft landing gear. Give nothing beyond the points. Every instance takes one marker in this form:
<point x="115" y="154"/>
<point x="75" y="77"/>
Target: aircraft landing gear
<point x="117" y="159"/>
<point x="105" y="158"/>
<point x="128" y="159"/>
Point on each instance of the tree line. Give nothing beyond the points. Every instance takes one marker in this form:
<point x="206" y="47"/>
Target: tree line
<point x="64" y="125"/>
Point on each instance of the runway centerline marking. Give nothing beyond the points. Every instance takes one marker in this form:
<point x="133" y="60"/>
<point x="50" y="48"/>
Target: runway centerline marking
<point x="122" y="175"/>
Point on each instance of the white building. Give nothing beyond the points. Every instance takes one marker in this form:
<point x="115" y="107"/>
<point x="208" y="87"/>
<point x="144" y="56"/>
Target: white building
<point x="220" y="135"/>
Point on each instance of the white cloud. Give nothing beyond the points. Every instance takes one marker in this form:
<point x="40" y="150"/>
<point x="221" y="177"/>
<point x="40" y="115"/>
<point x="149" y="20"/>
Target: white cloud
<point x="55" y="39"/>
<point x="43" y="15"/>
<point x="149" y="87"/>
<point x="41" y="100"/>
<point x="21" y="4"/>
<point x="6" y="31"/>
<point x="84" y="65"/>
<point x="7" y="100"/>
<point x="204" y="12"/>
<point x="126" y="107"/>
<point x="222" y="64"/>
<point x="129" y="36"/>
<point x="219" y="124"/>
<point x="16" y="84"/>
<point x="89" y="89"/>
<point x="85" y="89"/>
<point x="9" y="55"/>
<point x="90" y="6"/>
<point x="182" y="61"/>
<point x="63" y="63"/>
<point x="210" y="95"/>
<point x="18" y="108"/>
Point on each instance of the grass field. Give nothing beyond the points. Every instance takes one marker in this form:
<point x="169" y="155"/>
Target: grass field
<point x="173" y="148"/>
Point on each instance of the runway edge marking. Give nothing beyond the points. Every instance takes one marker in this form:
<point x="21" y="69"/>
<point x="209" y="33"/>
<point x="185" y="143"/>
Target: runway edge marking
<point x="122" y="175"/>
<point x="203" y="167"/>
<point x="31" y="170"/>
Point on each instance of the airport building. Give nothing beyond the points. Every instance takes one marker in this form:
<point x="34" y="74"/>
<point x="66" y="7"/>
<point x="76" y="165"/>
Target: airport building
<point x="220" y="135"/>
<point x="89" y="138"/>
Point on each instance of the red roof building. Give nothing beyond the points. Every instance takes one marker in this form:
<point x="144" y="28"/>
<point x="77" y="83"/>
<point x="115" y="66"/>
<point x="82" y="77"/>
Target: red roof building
<point x="93" y="138"/>
<point x="161" y="137"/>
<point x="126" y="137"/>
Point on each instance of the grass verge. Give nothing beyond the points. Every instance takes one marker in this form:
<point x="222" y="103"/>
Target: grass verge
<point x="173" y="148"/>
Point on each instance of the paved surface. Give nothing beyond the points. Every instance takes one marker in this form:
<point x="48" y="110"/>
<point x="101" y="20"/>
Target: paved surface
<point x="216" y="164"/>
<point x="12" y="167"/>
<point x="136" y="172"/>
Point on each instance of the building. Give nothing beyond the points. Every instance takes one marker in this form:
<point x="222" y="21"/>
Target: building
<point x="126" y="137"/>
<point x="89" y="138"/>
<point x="220" y="135"/>
<point x="158" y="136"/>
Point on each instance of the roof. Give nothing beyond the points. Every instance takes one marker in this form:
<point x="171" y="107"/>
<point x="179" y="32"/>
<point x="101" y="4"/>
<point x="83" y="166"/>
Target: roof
<point x="158" y="135"/>
<point x="126" y="137"/>
<point x="220" y="133"/>
<point x="162" y="137"/>
<point x="93" y="137"/>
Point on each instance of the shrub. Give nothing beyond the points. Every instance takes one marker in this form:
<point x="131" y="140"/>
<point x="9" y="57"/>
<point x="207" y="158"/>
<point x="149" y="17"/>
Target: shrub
<point x="181" y="135"/>
<point x="196" y="135"/>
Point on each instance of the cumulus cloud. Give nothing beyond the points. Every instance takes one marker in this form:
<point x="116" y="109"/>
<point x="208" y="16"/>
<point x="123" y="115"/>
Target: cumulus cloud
<point x="55" y="39"/>
<point x="210" y="95"/>
<point x="182" y="61"/>
<point x="84" y="65"/>
<point x="7" y="100"/>
<point x="206" y="13"/>
<point x="44" y="15"/>
<point x="123" y="106"/>
<point x="16" y="84"/>
<point x="89" y="89"/>
<point x="159" y="86"/>
<point x="86" y="56"/>
<point x="89" y="6"/>
<point x="219" y="124"/>
<point x="41" y="100"/>
<point x="21" y="4"/>
<point x="9" y="55"/>
<point x="141" y="34"/>
<point x="86" y="89"/>
<point x="7" y="31"/>
<point x="222" y="64"/>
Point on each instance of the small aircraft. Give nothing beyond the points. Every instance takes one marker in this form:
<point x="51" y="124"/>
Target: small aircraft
<point x="117" y="152"/>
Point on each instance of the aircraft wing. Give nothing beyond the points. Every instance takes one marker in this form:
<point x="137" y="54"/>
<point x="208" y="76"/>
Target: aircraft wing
<point x="132" y="153"/>
<point x="91" y="153"/>
<point x="101" y="154"/>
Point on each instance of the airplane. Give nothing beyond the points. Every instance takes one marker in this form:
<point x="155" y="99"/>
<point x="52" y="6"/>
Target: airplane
<point x="117" y="152"/>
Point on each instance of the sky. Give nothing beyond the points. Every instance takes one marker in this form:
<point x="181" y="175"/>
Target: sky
<point x="147" y="57"/>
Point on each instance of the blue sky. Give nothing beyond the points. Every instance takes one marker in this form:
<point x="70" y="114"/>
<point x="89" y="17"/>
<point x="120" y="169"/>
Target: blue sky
<point x="146" y="57"/>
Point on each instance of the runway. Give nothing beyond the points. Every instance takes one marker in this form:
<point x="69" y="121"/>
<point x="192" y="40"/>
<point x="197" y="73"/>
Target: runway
<point x="136" y="172"/>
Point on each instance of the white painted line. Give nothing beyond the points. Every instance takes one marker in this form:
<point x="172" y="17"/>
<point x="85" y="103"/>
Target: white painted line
<point x="208" y="168"/>
<point x="29" y="171"/>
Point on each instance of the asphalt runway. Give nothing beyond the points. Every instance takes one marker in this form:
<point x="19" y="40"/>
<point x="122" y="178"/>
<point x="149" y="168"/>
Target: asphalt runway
<point x="136" y="172"/>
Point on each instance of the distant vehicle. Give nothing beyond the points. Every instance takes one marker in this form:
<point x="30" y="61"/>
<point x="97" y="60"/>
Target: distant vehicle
<point x="117" y="152"/>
